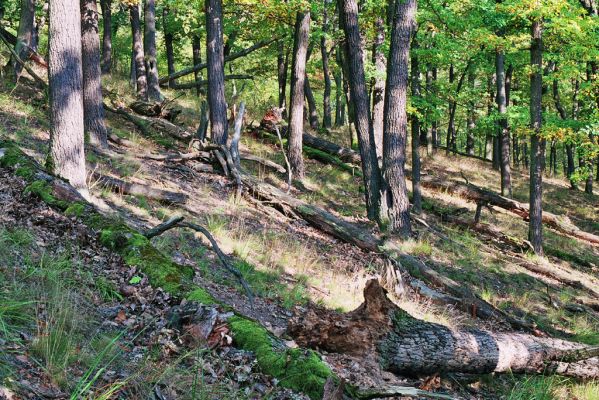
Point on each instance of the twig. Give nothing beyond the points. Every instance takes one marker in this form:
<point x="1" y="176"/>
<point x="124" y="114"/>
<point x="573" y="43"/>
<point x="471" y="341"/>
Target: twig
<point x="177" y="222"/>
<point x="286" y="159"/>
<point x="234" y="147"/>
<point x="27" y="68"/>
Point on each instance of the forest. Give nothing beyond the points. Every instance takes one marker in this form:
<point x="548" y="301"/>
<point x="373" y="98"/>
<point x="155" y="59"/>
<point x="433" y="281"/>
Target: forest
<point x="299" y="199"/>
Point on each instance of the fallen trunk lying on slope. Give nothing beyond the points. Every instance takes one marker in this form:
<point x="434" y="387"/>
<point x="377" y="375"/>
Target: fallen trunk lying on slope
<point x="405" y="345"/>
<point x="480" y="195"/>
<point x="136" y="189"/>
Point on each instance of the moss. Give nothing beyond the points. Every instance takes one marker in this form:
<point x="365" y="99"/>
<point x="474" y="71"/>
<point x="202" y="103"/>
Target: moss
<point x="202" y="296"/>
<point x="137" y="251"/>
<point x="15" y="158"/>
<point x="76" y="209"/>
<point x="296" y="369"/>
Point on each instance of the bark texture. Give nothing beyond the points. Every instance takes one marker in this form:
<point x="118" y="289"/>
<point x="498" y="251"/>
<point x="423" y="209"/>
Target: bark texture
<point x="360" y="114"/>
<point x="150" y="50"/>
<point x="93" y="109"/>
<point x="141" y="81"/>
<point x="168" y="43"/>
<point x="396" y="119"/>
<point x="504" y="134"/>
<point x="197" y="59"/>
<point x="66" y="158"/>
<point x="408" y="346"/>
<point x="216" y="71"/>
<point x="326" y="99"/>
<point x="106" y="65"/>
<point x="415" y="122"/>
<point x="296" y="101"/>
<point x="24" y="36"/>
<point x="537" y="144"/>
<point x="378" y="87"/>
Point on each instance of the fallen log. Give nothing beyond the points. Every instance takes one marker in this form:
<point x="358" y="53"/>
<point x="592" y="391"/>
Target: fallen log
<point x="263" y="161"/>
<point x="204" y="82"/>
<point x="196" y="155"/>
<point x="231" y="57"/>
<point x="477" y="194"/>
<point x="408" y="346"/>
<point x="155" y="109"/>
<point x="136" y="189"/>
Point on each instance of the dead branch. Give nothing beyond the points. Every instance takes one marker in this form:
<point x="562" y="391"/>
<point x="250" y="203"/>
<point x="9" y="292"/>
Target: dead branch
<point x="234" y="147"/>
<point x="27" y="68"/>
<point x="286" y="159"/>
<point x="136" y="189"/>
<point x="263" y="161"/>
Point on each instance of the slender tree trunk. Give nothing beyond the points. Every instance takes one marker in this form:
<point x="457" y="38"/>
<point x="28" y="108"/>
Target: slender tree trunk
<point x="434" y="123"/>
<point x="298" y="77"/>
<point x="106" y="64"/>
<point x="378" y="86"/>
<point x="150" y="50"/>
<point x="282" y="67"/>
<point x="348" y="20"/>
<point x="196" y="50"/>
<point x="216" y="71"/>
<point x="326" y="99"/>
<point x="415" y="71"/>
<point x="489" y="137"/>
<point x="504" y="136"/>
<point x="470" y="116"/>
<point x="396" y="119"/>
<point x="24" y="36"/>
<point x="537" y="143"/>
<point x="141" y="81"/>
<point x="93" y="107"/>
<point x="311" y="102"/>
<point x="429" y="128"/>
<point x="339" y="106"/>
<point x="168" y="43"/>
<point x="451" y="134"/>
<point x="66" y="158"/>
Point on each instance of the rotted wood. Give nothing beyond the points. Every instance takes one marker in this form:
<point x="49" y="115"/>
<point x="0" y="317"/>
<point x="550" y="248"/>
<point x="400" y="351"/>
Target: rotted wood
<point x="136" y="189"/>
<point x="155" y="109"/>
<point x="408" y="346"/>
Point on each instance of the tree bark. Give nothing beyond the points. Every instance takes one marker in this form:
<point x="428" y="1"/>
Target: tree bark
<point x="396" y="119"/>
<point x="471" y="124"/>
<point x="216" y="71"/>
<point x="93" y="108"/>
<point x="339" y="104"/>
<point x="66" y="158"/>
<point x="168" y="43"/>
<point x="141" y="81"/>
<point x="106" y="63"/>
<point x="415" y="71"/>
<point x="197" y="59"/>
<point x="451" y="134"/>
<point x="150" y="50"/>
<point x="282" y="67"/>
<point x="504" y="136"/>
<point x="537" y="143"/>
<point x="24" y="36"/>
<point x="296" y="103"/>
<point x="378" y="86"/>
<point x="313" y="114"/>
<point x="326" y="99"/>
<point x="348" y="19"/>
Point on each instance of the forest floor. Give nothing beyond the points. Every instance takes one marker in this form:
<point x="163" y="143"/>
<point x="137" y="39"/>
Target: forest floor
<point x="56" y="280"/>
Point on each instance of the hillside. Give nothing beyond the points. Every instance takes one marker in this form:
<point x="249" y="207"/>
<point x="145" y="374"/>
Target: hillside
<point x="79" y="320"/>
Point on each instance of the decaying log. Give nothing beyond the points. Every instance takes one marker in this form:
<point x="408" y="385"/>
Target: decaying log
<point x="231" y="57"/>
<point x="196" y="155"/>
<point x="477" y="194"/>
<point x="159" y="124"/>
<point x="408" y="346"/>
<point x="136" y="189"/>
<point x="204" y="82"/>
<point x="120" y="141"/>
<point x="155" y="109"/>
<point x="263" y="161"/>
<point x="343" y="153"/>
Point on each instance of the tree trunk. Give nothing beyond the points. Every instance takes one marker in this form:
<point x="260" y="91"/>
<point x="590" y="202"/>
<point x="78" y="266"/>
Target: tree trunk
<point x="216" y="71"/>
<point x="141" y="81"/>
<point x="24" y="36"/>
<point x="282" y="67"/>
<point x="326" y="99"/>
<point x="339" y="106"/>
<point x="106" y="66"/>
<point x="405" y="345"/>
<point x="66" y="158"/>
<point x="396" y="119"/>
<point x="415" y="71"/>
<point x="168" y="43"/>
<point x="348" y="19"/>
<point x="450" y="140"/>
<point x="537" y="143"/>
<point x="296" y="109"/>
<point x="197" y="59"/>
<point x="93" y="108"/>
<point x="504" y="136"/>
<point x="378" y="86"/>
<point x="150" y="50"/>
<point x="429" y="117"/>
<point x="313" y="114"/>
<point x="471" y="124"/>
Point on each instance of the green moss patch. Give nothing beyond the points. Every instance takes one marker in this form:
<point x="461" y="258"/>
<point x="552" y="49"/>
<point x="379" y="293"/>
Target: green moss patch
<point x="297" y="369"/>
